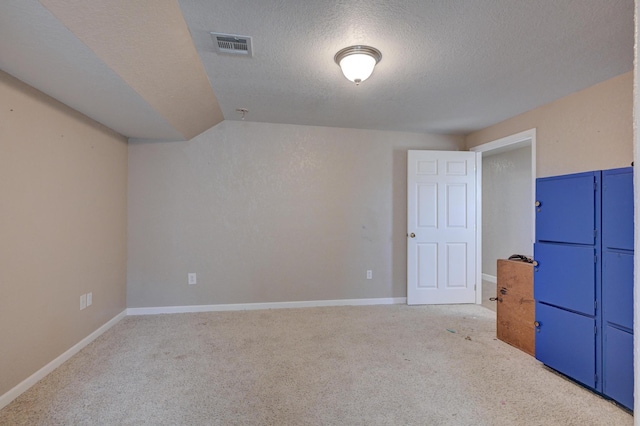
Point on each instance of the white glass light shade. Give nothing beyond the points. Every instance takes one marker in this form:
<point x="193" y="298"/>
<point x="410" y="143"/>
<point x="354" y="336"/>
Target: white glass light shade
<point x="357" y="62"/>
<point x="357" y="67"/>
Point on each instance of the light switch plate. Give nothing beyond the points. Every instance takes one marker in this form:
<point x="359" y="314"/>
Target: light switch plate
<point x="89" y="299"/>
<point x="192" y="278"/>
<point x="83" y="301"/>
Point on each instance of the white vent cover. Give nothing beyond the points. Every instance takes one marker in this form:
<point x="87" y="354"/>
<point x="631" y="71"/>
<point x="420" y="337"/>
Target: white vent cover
<point x="233" y="44"/>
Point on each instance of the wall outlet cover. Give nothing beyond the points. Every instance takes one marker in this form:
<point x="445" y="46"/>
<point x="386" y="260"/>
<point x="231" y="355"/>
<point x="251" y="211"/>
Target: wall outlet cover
<point x="192" y="278"/>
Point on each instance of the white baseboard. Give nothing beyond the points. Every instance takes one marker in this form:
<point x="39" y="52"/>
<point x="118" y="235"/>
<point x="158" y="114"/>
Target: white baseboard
<point x="489" y="278"/>
<point x="256" y="306"/>
<point x="40" y="374"/>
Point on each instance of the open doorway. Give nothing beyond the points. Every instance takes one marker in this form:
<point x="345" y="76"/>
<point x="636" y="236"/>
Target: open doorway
<point x="508" y="196"/>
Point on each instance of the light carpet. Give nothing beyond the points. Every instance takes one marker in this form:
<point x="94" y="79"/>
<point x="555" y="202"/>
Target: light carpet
<point x="368" y="365"/>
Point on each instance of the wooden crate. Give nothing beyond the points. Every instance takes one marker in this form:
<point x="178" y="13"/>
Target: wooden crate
<point x="516" y="307"/>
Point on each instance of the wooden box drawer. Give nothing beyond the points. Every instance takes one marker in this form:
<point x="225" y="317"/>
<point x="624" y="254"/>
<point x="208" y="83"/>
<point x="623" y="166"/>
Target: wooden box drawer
<point x="516" y="306"/>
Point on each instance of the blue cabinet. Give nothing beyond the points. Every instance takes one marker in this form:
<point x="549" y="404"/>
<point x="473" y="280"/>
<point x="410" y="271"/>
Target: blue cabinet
<point x="583" y="279"/>
<point x="618" y="367"/>
<point x="617" y="284"/>
<point x="566" y="276"/>
<point x="567" y="210"/>
<point x="617" y="208"/>
<point x="566" y="342"/>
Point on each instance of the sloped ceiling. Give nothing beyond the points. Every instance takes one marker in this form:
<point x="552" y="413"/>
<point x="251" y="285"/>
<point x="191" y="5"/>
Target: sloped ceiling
<point x="130" y="65"/>
<point x="147" y="68"/>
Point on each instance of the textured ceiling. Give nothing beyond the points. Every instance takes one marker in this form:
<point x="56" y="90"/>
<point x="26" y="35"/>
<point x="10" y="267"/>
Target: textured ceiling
<point x="448" y="66"/>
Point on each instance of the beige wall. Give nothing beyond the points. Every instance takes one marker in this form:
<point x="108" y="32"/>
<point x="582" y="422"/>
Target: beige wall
<point x="506" y="207"/>
<point x="588" y="130"/>
<point x="270" y="213"/>
<point x="63" y="182"/>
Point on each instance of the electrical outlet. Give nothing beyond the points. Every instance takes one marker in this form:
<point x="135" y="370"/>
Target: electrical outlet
<point x="83" y="301"/>
<point x="89" y="299"/>
<point x="369" y="274"/>
<point x="192" y="278"/>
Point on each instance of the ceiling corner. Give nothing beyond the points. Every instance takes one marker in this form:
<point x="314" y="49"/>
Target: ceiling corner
<point x="148" y="44"/>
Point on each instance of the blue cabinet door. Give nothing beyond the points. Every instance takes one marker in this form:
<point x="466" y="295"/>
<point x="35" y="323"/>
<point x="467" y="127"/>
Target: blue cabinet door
<point x="567" y="208"/>
<point x="617" y="288"/>
<point x="618" y="367"/>
<point x="617" y="208"/>
<point x="565" y="341"/>
<point x="565" y="276"/>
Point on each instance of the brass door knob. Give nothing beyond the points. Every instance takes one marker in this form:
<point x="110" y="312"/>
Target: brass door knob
<point x="537" y="324"/>
<point x="412" y="235"/>
<point x="534" y="263"/>
<point x="538" y="203"/>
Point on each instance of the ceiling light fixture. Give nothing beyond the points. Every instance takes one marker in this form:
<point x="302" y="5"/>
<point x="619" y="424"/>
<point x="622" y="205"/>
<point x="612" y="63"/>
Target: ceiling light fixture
<point x="357" y="62"/>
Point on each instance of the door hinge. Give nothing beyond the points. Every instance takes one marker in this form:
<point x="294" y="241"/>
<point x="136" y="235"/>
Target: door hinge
<point x="595" y="329"/>
<point x="595" y="378"/>
<point x="595" y="186"/>
<point x="595" y="233"/>
<point x="595" y="258"/>
<point x="595" y="305"/>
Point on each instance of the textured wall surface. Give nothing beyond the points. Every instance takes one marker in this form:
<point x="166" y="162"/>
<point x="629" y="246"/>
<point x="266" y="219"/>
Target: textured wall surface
<point x="63" y="180"/>
<point x="506" y="207"/>
<point x="270" y="213"/>
<point x="588" y="130"/>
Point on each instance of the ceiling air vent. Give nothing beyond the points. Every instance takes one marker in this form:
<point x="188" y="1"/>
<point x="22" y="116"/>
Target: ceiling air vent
<point x="233" y="44"/>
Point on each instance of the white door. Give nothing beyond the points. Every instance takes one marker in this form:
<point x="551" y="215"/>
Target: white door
<point x="441" y="235"/>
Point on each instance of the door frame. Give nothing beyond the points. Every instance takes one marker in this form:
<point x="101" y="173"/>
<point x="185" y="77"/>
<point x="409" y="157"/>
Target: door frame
<point x="508" y="143"/>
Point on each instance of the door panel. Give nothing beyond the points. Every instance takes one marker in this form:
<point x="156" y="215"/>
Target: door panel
<point x="618" y="366"/>
<point x="428" y="200"/>
<point x="566" y="212"/>
<point x="456" y="210"/>
<point x="427" y="255"/>
<point x="566" y="276"/>
<point x="565" y="341"/>
<point x="617" y="288"/>
<point x="441" y="243"/>
<point x="617" y="208"/>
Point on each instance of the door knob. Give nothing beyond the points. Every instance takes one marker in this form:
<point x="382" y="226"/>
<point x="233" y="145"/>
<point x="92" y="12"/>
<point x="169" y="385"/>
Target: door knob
<point x="537" y="324"/>
<point x="538" y="203"/>
<point x="535" y="263"/>
<point x="412" y="235"/>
